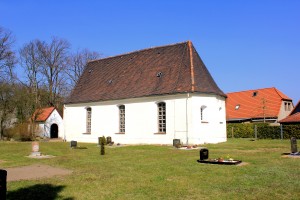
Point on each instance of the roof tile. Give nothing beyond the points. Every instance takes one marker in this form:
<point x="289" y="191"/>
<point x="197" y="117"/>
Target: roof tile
<point x="41" y="115"/>
<point x="135" y="75"/>
<point x="254" y="103"/>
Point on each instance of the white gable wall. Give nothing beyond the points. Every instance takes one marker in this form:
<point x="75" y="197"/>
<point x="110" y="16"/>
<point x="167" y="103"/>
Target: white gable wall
<point x="141" y="121"/>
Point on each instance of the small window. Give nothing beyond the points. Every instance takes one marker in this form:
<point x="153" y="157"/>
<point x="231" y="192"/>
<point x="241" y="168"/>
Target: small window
<point x="162" y="117"/>
<point x="202" y="113"/>
<point x="122" y="119"/>
<point x="254" y="94"/>
<point x="237" y="107"/>
<point x="287" y="106"/>
<point x="88" y="120"/>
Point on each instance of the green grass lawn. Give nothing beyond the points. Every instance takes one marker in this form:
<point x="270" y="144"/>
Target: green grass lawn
<point x="158" y="172"/>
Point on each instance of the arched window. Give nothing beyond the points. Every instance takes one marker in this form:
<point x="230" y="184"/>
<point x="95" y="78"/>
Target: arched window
<point x="88" y="120"/>
<point x="162" y="117"/>
<point x="122" y="119"/>
<point x="202" y="113"/>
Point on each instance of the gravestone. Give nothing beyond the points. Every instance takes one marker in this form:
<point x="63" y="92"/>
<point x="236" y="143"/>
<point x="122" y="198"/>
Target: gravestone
<point x="108" y="140"/>
<point x="73" y="144"/>
<point x="294" y="145"/>
<point x="3" y="175"/>
<point x="176" y="142"/>
<point x="35" y="149"/>
<point x="203" y="154"/>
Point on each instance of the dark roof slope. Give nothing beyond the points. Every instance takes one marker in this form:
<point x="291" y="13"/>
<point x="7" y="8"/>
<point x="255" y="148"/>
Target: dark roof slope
<point x="155" y="71"/>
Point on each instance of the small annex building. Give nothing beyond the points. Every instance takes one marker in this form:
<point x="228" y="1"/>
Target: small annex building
<point x="259" y="105"/>
<point x="150" y="96"/>
<point x="50" y="123"/>
<point x="294" y="116"/>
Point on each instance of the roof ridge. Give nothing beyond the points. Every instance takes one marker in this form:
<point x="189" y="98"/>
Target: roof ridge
<point x="280" y="94"/>
<point x="252" y="90"/>
<point x="141" y="50"/>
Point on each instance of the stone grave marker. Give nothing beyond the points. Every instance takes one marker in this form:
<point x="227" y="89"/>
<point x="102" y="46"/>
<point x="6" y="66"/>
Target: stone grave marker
<point x="294" y="145"/>
<point x="35" y="148"/>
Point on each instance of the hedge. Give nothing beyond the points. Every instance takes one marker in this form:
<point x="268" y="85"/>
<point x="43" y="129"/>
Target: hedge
<point x="263" y="131"/>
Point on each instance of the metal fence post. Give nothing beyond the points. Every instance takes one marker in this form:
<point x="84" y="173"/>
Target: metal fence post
<point x="281" y="132"/>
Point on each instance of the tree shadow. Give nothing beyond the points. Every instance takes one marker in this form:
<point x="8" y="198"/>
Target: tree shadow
<point x="38" y="192"/>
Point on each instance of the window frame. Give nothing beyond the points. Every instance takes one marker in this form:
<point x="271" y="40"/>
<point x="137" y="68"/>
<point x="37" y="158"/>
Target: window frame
<point x="122" y="118"/>
<point x="203" y="114"/>
<point x="88" y="120"/>
<point x="162" y="117"/>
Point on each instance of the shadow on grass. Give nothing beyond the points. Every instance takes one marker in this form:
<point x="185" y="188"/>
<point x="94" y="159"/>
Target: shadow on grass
<point x="37" y="192"/>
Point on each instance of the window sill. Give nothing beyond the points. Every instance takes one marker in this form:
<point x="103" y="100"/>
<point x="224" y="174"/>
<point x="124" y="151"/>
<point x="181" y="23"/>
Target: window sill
<point x="160" y="133"/>
<point x="120" y="133"/>
<point x="204" y="122"/>
<point x="86" y="133"/>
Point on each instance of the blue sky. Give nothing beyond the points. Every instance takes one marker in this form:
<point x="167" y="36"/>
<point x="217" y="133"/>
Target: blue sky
<point x="247" y="44"/>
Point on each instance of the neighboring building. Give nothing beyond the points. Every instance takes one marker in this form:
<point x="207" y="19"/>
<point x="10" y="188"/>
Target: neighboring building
<point x="261" y="105"/>
<point x="294" y="117"/>
<point x="50" y="123"/>
<point x="151" y="96"/>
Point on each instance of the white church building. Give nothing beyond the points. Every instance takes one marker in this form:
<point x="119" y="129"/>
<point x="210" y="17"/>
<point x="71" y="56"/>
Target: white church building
<point x="150" y="96"/>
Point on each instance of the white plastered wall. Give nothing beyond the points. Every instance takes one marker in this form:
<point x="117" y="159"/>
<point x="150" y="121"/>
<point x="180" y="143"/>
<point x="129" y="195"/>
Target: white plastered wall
<point x="182" y="114"/>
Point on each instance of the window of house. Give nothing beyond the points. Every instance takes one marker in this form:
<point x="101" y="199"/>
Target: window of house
<point x="122" y="119"/>
<point x="202" y="113"/>
<point x="162" y="117"/>
<point x="237" y="106"/>
<point x="88" y="120"/>
<point x="285" y="106"/>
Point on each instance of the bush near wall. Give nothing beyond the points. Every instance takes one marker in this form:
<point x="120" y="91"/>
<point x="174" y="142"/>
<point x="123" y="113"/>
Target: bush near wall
<point x="19" y="132"/>
<point x="264" y="131"/>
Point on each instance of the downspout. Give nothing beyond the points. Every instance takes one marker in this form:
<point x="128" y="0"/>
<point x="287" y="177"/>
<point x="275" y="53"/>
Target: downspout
<point x="192" y="89"/>
<point x="186" y="119"/>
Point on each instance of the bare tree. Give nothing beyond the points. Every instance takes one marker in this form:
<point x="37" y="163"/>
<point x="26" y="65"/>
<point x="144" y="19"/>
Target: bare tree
<point x="77" y="62"/>
<point x="7" y="106"/>
<point x="53" y="59"/>
<point x="7" y="56"/>
<point x="30" y="62"/>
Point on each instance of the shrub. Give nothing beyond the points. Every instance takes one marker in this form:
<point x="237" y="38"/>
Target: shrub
<point x="19" y="132"/>
<point x="102" y="145"/>
<point x="264" y="131"/>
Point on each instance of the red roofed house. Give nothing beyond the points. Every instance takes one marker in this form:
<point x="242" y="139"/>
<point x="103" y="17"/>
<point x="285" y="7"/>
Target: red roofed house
<point x="151" y="96"/>
<point x="261" y="105"/>
<point x="294" y="117"/>
<point x="50" y="123"/>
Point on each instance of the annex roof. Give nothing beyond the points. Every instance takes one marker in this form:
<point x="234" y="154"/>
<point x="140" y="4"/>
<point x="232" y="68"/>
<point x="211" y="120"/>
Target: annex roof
<point x="42" y="114"/>
<point x="251" y="104"/>
<point x="294" y="116"/>
<point x="161" y="70"/>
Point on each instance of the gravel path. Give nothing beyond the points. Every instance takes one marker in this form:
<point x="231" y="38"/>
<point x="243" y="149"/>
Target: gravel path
<point x="36" y="171"/>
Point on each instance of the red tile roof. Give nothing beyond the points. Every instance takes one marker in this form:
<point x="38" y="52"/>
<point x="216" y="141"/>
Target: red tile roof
<point x="294" y="116"/>
<point x="42" y="114"/>
<point x="254" y="104"/>
<point x="161" y="70"/>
